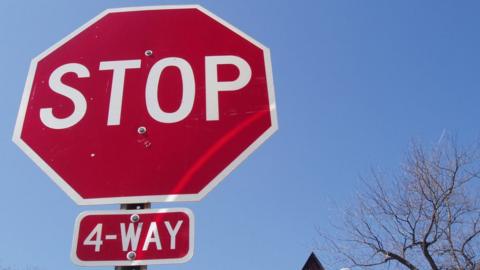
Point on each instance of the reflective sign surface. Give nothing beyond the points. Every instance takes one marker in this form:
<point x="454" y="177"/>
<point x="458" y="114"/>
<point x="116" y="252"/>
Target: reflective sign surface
<point x="147" y="105"/>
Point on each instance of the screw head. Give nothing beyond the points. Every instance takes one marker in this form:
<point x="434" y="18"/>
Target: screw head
<point x="134" y="218"/>
<point x="148" y="52"/>
<point x="131" y="255"/>
<point x="142" y="130"/>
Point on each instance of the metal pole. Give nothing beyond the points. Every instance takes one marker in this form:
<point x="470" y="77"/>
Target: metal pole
<point x="133" y="206"/>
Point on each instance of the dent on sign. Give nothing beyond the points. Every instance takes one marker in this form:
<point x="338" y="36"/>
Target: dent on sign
<point x="212" y="87"/>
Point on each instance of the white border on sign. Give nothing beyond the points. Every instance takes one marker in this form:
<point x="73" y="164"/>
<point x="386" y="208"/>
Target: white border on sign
<point x="186" y="258"/>
<point x="143" y="199"/>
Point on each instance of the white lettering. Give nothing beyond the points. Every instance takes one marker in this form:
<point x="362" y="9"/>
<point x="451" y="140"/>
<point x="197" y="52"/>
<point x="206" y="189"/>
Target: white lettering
<point x="79" y="102"/>
<point x="118" y="80"/>
<point x="188" y="85"/>
<point x="173" y="232"/>
<point x="130" y="236"/>
<point x="152" y="237"/>
<point x="213" y="86"/>
<point x="97" y="233"/>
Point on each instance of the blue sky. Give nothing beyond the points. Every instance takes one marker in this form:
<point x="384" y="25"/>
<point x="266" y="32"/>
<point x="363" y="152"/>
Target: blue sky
<point x="355" y="82"/>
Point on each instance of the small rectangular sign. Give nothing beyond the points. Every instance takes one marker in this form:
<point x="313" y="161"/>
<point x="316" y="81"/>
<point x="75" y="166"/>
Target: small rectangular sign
<point x="133" y="237"/>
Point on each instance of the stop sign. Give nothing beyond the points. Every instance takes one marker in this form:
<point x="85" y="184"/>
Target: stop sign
<point x="146" y="104"/>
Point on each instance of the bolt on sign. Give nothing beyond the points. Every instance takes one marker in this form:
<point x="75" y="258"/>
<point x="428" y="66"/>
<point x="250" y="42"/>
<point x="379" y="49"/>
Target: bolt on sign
<point x="146" y="104"/>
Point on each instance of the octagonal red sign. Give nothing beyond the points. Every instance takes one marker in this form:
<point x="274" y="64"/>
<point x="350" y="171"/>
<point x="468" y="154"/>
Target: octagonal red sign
<point x="146" y="104"/>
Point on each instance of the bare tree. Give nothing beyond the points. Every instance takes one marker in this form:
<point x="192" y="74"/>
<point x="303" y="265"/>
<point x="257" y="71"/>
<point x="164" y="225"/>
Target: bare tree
<point x="428" y="217"/>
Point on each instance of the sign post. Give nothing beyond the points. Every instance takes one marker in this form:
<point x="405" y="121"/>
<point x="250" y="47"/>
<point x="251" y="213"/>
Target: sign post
<point x="146" y="104"/>
<point x="133" y="207"/>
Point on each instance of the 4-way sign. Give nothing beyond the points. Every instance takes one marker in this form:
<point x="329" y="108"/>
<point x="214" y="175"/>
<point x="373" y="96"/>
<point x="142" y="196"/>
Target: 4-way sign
<point x="133" y="237"/>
